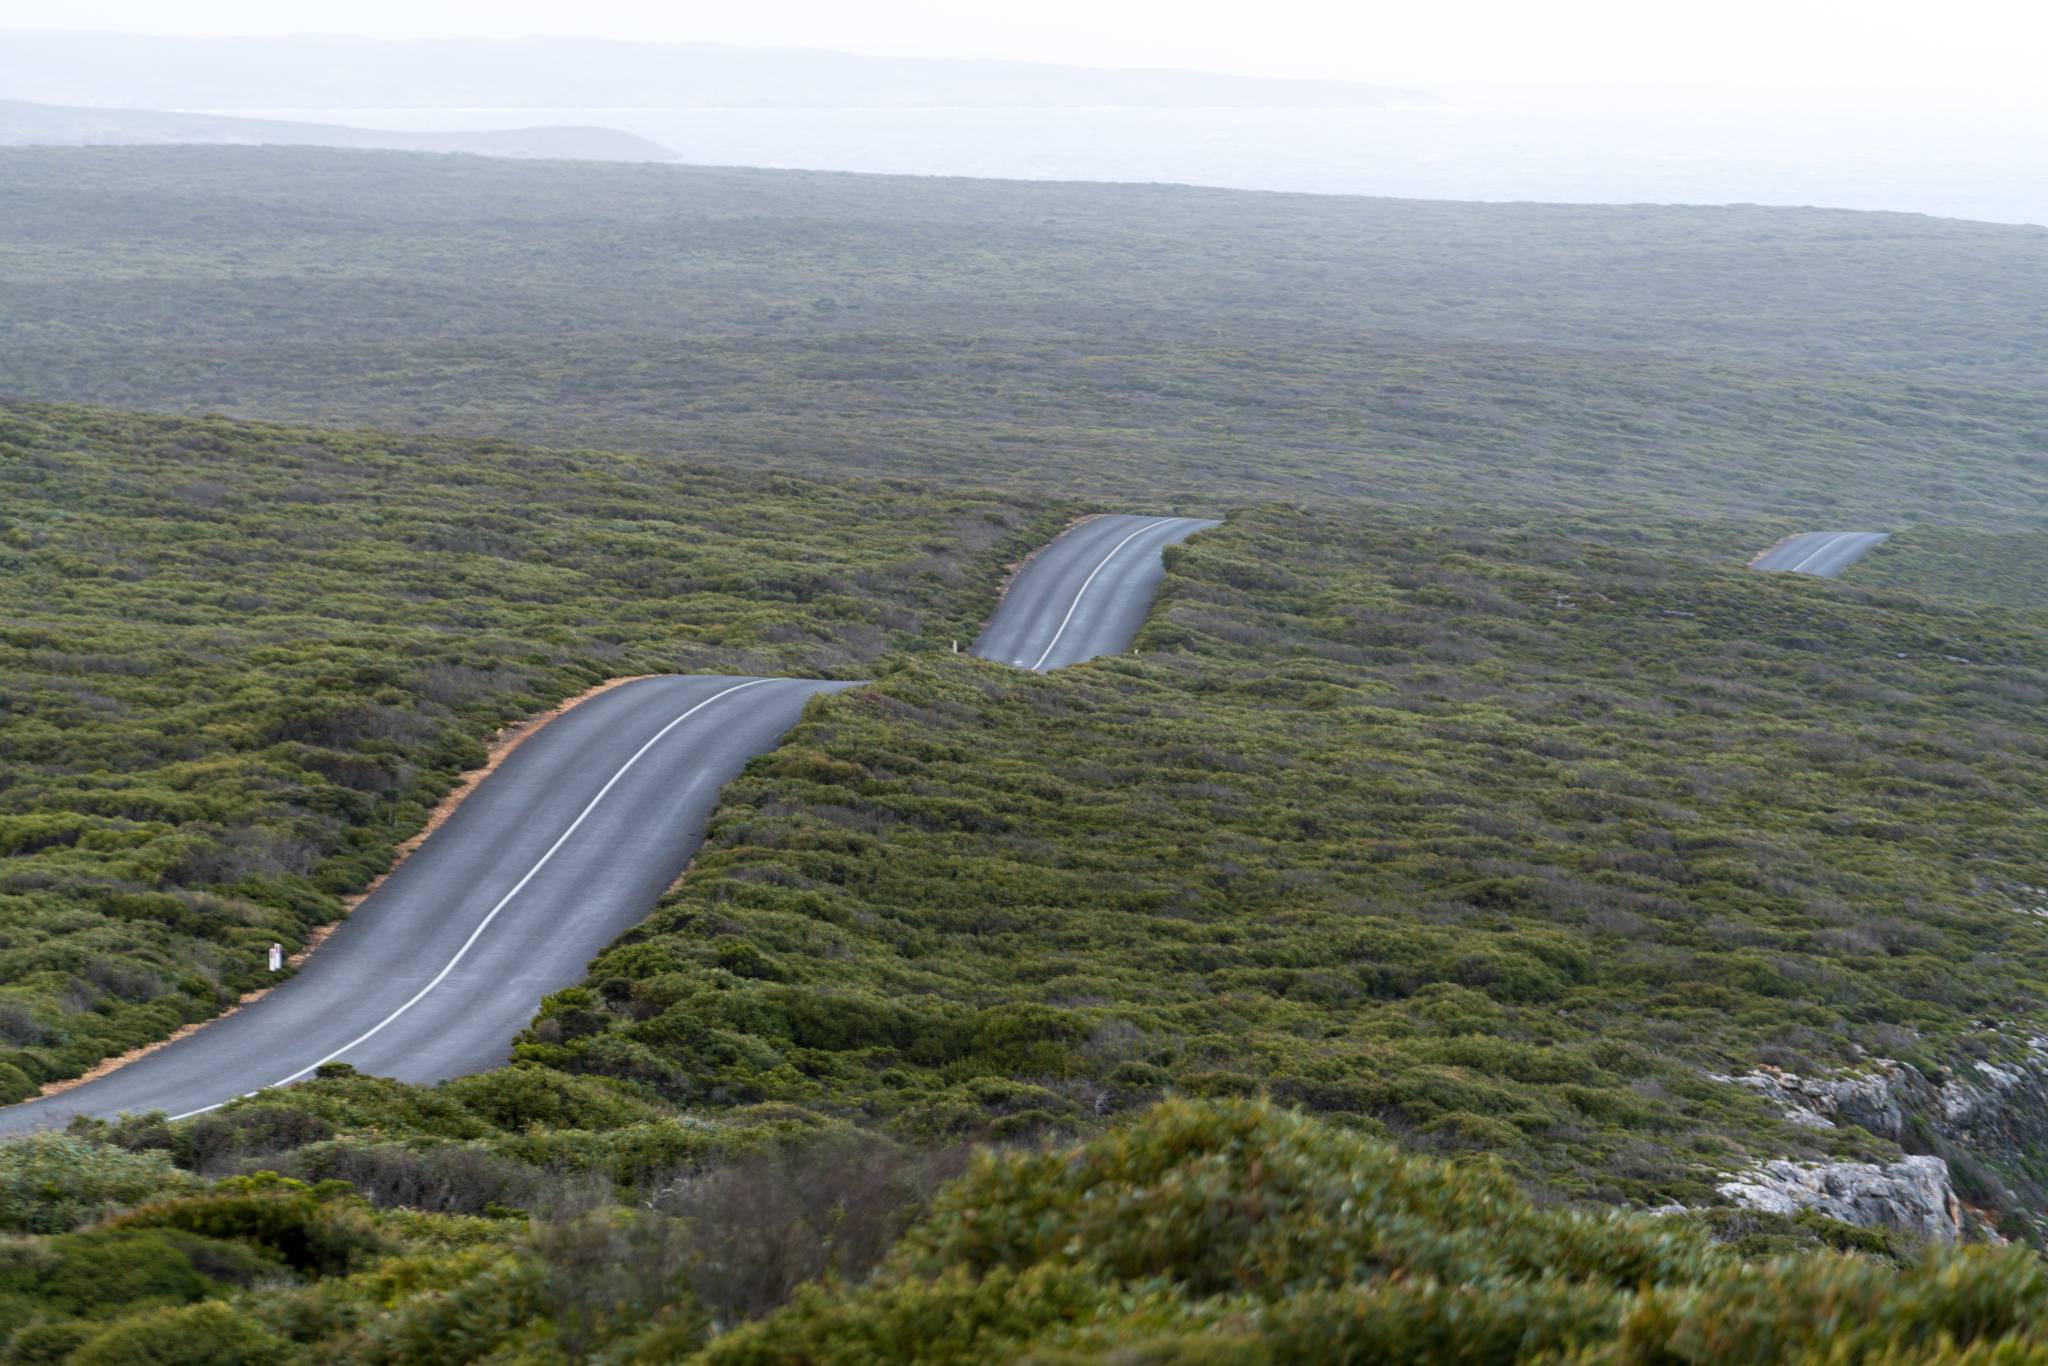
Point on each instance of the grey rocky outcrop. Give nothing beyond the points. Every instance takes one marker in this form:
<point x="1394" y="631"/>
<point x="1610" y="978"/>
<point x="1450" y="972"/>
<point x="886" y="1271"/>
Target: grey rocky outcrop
<point x="1997" y="1109"/>
<point x="1817" y="1102"/>
<point x="1980" y="1119"/>
<point x="1912" y="1194"/>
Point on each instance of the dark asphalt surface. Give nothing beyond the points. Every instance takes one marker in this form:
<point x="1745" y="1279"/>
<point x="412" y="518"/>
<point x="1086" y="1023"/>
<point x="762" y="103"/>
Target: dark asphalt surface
<point x="1826" y="553"/>
<point x="509" y="900"/>
<point x="566" y="846"/>
<point x="1084" y="595"/>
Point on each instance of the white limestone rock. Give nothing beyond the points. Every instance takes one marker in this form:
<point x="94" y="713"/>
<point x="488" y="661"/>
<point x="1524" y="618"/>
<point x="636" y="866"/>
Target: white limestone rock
<point x="1820" y="1102"/>
<point x="1912" y="1194"/>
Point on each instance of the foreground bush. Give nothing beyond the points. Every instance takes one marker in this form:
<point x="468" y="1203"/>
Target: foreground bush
<point x="1838" y="1309"/>
<point x="1240" y="1196"/>
<point x="761" y="1224"/>
<point x="314" y="1229"/>
<point x="1205" y="1213"/>
<point x="1198" y="1233"/>
<point x="201" y="1335"/>
<point x="1231" y="1233"/>
<point x="53" y="1182"/>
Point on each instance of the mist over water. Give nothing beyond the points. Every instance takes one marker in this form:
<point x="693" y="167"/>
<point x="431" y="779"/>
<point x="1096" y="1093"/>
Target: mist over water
<point x="1954" y="156"/>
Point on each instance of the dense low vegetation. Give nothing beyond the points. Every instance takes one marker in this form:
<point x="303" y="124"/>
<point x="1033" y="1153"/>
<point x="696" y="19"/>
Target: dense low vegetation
<point x="1332" y="978"/>
<point x="238" y="663"/>
<point x="1486" y="839"/>
<point x="1203" y="1233"/>
<point x="1484" y="835"/>
<point x="1473" y="837"/>
<point x="1148" y="344"/>
<point x="1979" y="566"/>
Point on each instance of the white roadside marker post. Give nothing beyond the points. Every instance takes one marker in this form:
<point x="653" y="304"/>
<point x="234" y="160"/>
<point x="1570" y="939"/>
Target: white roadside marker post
<point x="276" y="957"/>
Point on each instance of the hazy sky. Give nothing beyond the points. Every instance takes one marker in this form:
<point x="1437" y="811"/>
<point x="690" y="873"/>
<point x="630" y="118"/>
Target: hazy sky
<point x="1403" y="41"/>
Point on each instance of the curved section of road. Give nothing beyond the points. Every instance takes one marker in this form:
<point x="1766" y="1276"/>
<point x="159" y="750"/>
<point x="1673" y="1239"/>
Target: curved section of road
<point x="562" y="849"/>
<point x="1826" y="553"/>
<point x="565" y="847"/>
<point x="1084" y="595"/>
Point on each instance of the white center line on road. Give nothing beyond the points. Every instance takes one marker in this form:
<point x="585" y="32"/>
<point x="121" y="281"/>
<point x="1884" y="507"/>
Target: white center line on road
<point x="1822" y="551"/>
<point x="1091" y="579"/>
<point x="504" y="900"/>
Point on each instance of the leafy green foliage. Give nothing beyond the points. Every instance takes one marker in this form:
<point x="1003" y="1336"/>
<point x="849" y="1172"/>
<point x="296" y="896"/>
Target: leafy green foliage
<point x="458" y="1146"/>
<point x="200" y="1335"/>
<point x="561" y="1292"/>
<point x="1196" y="1233"/>
<point x="1232" y="1234"/>
<point x="311" y="1227"/>
<point x="1838" y="1308"/>
<point x="1238" y="1197"/>
<point x="517" y="1098"/>
<point x="1490" y="838"/>
<point x="1978" y="566"/>
<point x="1758" y="1235"/>
<point x="102" y="1273"/>
<point x="954" y="1317"/>
<point x="238" y="664"/>
<point x="161" y="1270"/>
<point x="53" y="1182"/>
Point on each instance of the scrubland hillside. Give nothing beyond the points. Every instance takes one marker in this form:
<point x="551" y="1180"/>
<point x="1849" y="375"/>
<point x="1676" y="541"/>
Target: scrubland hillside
<point x="241" y="663"/>
<point x="1481" y="839"/>
<point x="1169" y="345"/>
<point x="1406" y="867"/>
<point x="1340" y="975"/>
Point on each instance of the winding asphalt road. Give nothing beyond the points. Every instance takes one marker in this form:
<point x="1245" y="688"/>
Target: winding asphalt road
<point x="1084" y="595"/>
<point x="566" y="846"/>
<point x="1826" y="553"/>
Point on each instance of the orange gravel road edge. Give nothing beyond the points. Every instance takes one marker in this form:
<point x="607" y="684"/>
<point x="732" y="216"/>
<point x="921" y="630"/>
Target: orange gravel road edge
<point x="500" y="747"/>
<point x="1011" y="571"/>
<point x="1769" y="548"/>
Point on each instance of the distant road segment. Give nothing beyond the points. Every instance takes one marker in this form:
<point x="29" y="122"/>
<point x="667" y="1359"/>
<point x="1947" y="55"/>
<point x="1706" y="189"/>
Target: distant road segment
<point x="566" y="846"/>
<point x="1826" y="553"/>
<point x="1084" y="595"/>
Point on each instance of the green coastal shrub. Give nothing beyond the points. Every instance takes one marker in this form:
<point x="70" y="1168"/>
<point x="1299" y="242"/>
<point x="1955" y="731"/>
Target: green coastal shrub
<point x="952" y="1319"/>
<point x="53" y="1182"/>
<point x="103" y="1272"/>
<point x="1324" y="1245"/>
<point x="1243" y="1197"/>
<point x="1200" y="1232"/>
<point x="517" y="1098"/>
<point x="198" y="1335"/>
<point x="1836" y="1308"/>
<point x="1488" y="1323"/>
<point x="46" y="1344"/>
<point x="315" y="1229"/>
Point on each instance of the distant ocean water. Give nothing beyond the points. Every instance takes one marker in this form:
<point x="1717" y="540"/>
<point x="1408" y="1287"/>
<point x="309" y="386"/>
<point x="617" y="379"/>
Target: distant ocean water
<point x="1984" y="160"/>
